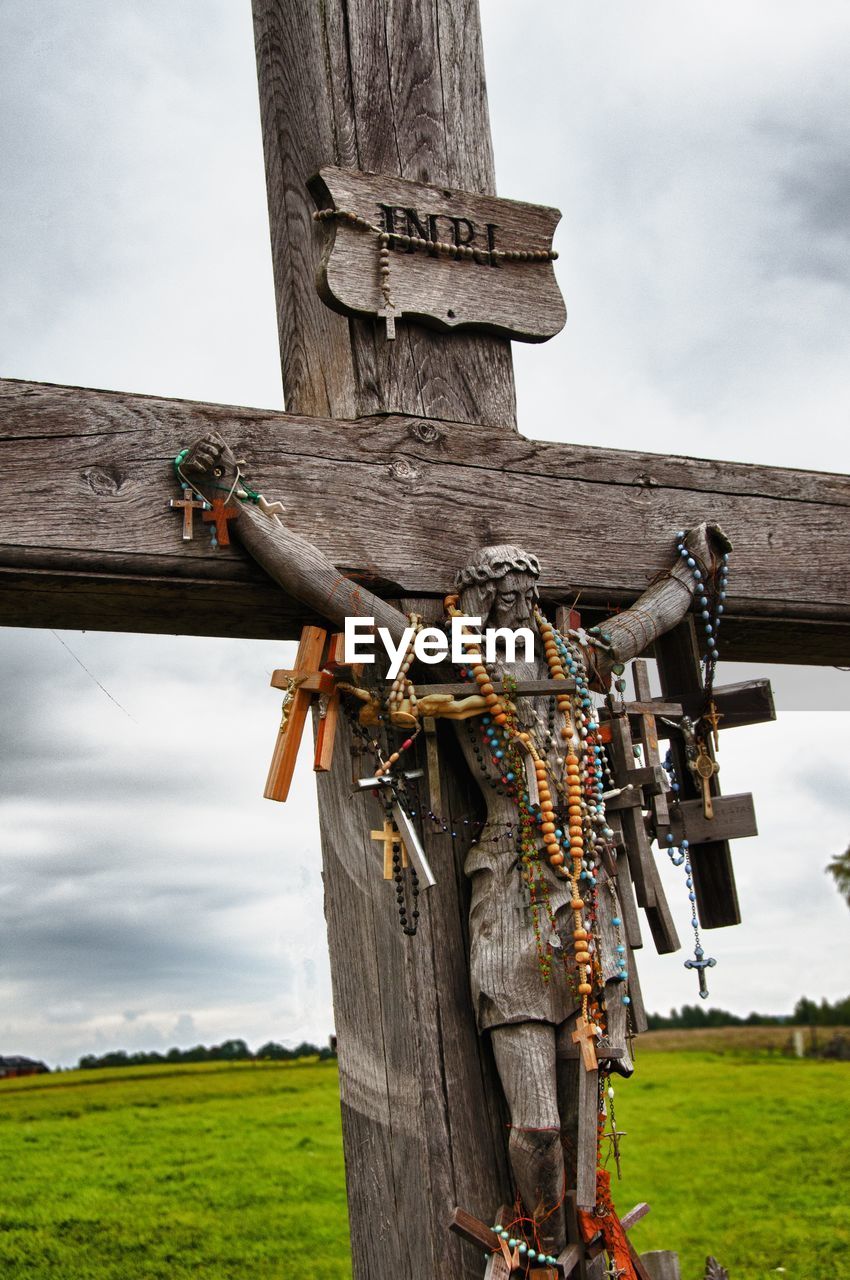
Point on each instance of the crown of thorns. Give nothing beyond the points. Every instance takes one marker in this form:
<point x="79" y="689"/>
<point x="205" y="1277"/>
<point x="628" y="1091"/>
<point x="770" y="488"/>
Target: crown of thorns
<point x="495" y="565"/>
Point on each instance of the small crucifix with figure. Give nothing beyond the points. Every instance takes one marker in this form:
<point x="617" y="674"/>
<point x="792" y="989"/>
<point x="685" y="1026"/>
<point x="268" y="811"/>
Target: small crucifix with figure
<point x="188" y="504"/>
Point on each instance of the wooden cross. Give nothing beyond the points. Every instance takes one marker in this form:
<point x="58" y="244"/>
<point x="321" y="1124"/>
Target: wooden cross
<point x="313" y="675"/>
<point x="625" y="817"/>
<point x="750" y="702"/>
<point x="218" y="515"/>
<point x="388" y="314"/>
<point x="189" y="504"/>
<point x="329" y="705"/>
<point x="647" y="736"/>
<point x="318" y="662"/>
<point x="393" y="844"/>
<point x="585" y="1038"/>
<point x="382" y="444"/>
<point x="296" y="704"/>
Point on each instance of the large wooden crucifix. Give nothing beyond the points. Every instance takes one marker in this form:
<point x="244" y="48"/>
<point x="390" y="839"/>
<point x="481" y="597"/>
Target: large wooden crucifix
<point x="397" y="458"/>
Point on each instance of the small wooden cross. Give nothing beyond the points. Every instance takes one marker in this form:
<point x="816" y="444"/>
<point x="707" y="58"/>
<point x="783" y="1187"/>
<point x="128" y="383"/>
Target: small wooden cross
<point x="189" y="504"/>
<point x="296" y="703"/>
<point x="219" y="516"/>
<point x="584" y="1037"/>
<point x="312" y="675"/>
<point x="393" y="842"/>
<point x="388" y="313"/>
<point x="329" y="703"/>
<point x="648" y="736"/>
<point x="500" y="1263"/>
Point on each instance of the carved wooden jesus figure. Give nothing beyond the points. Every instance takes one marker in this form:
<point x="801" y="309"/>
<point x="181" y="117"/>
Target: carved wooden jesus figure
<point x="523" y="904"/>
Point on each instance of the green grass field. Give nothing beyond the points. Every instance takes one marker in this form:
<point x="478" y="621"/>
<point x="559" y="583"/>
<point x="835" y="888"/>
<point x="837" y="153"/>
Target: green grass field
<point x="233" y="1171"/>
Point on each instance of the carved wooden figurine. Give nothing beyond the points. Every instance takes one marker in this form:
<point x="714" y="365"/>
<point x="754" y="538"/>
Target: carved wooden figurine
<point x="546" y="1042"/>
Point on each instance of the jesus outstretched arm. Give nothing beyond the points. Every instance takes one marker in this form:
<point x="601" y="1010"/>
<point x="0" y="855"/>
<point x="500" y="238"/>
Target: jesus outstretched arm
<point x="211" y="467"/>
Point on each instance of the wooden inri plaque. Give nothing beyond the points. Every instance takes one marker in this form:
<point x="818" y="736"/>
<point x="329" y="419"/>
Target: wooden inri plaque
<point x="492" y="272"/>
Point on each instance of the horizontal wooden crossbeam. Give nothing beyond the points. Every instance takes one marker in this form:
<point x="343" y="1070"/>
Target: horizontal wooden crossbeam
<point x="87" y="538"/>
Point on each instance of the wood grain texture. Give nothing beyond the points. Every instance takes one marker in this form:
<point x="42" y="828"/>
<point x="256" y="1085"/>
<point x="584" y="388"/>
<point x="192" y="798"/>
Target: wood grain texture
<point x="423" y="1124"/>
<point x="394" y="88"/>
<point x="734" y="818"/>
<point x="399" y="89"/>
<point x="436" y="491"/>
<point x="661" y="1264"/>
<point x="489" y="293"/>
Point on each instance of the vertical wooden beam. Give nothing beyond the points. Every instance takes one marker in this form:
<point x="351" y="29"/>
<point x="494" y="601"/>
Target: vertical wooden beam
<point x="399" y="88"/>
<point x="389" y="87"/>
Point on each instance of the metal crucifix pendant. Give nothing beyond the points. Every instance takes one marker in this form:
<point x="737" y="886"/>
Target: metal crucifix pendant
<point x="404" y="823"/>
<point x="704" y="769"/>
<point x="701" y="962"/>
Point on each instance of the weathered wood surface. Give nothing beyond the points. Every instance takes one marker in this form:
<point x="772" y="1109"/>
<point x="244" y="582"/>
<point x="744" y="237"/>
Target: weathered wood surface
<point x="748" y="702"/>
<point x="395" y="89"/>
<point x="485" y="292"/>
<point x="111" y="553"/>
<point x="661" y="1264"/>
<point x="422" y="1118"/>
<point x="734" y="818"/>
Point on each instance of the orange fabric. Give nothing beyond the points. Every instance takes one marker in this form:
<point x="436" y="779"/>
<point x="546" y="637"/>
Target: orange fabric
<point x="614" y="1237"/>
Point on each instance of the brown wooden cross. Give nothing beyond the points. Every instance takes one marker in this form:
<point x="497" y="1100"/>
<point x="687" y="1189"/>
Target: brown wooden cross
<point x="189" y="505"/>
<point x="388" y="314"/>
<point x="382" y="446"/>
<point x="317" y="664"/>
<point x="218" y="515"/>
<point x="393" y="843"/>
<point x="585" y="1038"/>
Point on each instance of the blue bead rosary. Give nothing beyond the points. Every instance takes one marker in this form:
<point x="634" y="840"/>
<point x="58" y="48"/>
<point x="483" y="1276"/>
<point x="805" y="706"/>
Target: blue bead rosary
<point x="678" y="856"/>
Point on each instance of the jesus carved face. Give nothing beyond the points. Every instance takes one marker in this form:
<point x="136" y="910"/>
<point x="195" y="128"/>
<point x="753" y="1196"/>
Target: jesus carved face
<point x="513" y="603"/>
<point x="500" y="587"/>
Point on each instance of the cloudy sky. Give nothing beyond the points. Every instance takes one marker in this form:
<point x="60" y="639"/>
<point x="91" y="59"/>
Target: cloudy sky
<point x="148" y="895"/>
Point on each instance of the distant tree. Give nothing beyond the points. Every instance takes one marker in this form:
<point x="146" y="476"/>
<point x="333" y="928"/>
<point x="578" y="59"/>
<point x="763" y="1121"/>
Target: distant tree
<point x="200" y="1053"/>
<point x="839" y="869"/>
<point x="274" y="1052"/>
<point x="231" y="1051"/>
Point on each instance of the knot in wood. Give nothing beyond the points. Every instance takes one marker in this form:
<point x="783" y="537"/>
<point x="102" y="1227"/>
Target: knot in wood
<point x="426" y="432"/>
<point x="645" y="480"/>
<point x="103" y="481"/>
<point x="401" y="469"/>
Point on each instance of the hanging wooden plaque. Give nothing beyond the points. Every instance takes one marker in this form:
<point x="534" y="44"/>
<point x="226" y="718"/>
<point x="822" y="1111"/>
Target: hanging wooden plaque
<point x="494" y="271"/>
